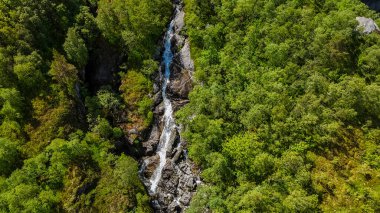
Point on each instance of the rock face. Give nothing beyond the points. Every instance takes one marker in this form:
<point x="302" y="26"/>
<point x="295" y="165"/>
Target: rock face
<point x="182" y="67"/>
<point x="179" y="175"/>
<point x="104" y="64"/>
<point x="367" y="25"/>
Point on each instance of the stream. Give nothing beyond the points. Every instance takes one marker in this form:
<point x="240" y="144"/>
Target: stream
<point x="169" y="176"/>
<point x="169" y="124"/>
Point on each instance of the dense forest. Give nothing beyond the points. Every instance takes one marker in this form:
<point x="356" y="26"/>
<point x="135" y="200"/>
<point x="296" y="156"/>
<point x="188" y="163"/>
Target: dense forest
<point x="61" y="127"/>
<point x="285" y="113"/>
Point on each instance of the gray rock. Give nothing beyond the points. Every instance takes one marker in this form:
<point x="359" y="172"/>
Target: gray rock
<point x="151" y="145"/>
<point x="180" y="87"/>
<point x="185" y="56"/>
<point x="156" y="88"/>
<point x="185" y="199"/>
<point x="151" y="164"/>
<point x="157" y="98"/>
<point x="177" y="104"/>
<point x="182" y="71"/>
<point x="177" y="154"/>
<point x="173" y="136"/>
<point x="179" y="22"/>
<point x="367" y="25"/>
<point x="160" y="109"/>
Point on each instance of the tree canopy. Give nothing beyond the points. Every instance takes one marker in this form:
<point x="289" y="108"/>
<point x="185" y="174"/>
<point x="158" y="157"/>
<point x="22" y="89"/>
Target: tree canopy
<point x="284" y="114"/>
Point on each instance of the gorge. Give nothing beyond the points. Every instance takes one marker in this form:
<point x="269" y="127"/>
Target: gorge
<point x="165" y="169"/>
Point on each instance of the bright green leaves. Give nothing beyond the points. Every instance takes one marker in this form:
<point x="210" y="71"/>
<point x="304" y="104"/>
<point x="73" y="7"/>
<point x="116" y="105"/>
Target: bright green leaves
<point x="242" y="151"/>
<point x="119" y="187"/>
<point x="43" y="45"/>
<point x="299" y="201"/>
<point x="112" y="16"/>
<point x="284" y="81"/>
<point x="136" y="89"/>
<point x="11" y="102"/>
<point x="86" y="25"/>
<point x="369" y="62"/>
<point x="27" y="70"/>
<point x="218" y="171"/>
<point x="134" y="24"/>
<point x="103" y="128"/>
<point x="65" y="74"/>
<point x="75" y="48"/>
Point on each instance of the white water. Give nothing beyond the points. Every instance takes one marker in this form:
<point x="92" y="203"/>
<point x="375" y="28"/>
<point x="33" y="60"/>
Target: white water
<point x="166" y="134"/>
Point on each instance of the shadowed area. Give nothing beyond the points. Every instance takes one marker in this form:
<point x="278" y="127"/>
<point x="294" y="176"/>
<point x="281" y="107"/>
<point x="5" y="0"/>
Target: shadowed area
<point x="373" y="4"/>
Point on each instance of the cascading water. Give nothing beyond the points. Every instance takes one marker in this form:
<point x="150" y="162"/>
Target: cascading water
<point x="170" y="177"/>
<point x="169" y="123"/>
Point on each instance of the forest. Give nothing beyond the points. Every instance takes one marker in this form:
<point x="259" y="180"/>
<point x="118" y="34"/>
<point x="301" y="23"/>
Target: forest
<point x="60" y="129"/>
<point x="284" y="114"/>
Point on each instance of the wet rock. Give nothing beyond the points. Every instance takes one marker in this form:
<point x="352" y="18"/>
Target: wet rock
<point x="168" y="171"/>
<point x="151" y="164"/>
<point x="177" y="154"/>
<point x="182" y="68"/>
<point x="157" y="98"/>
<point x="156" y="88"/>
<point x="150" y="145"/>
<point x="367" y="25"/>
<point x="173" y="137"/>
<point x="173" y="207"/>
<point x="104" y="63"/>
<point x="160" y="109"/>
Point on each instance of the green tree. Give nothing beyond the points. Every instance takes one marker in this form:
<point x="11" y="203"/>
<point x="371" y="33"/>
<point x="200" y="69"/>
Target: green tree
<point x="9" y="156"/>
<point x="27" y="69"/>
<point x="65" y="74"/>
<point x="75" y="48"/>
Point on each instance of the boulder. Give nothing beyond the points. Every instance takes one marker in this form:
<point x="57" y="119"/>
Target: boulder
<point x="159" y="110"/>
<point x="179" y="22"/>
<point x="157" y="98"/>
<point x="185" y="57"/>
<point x="150" y="165"/>
<point x="177" y="104"/>
<point x="150" y="145"/>
<point x="367" y="25"/>
<point x="180" y="87"/>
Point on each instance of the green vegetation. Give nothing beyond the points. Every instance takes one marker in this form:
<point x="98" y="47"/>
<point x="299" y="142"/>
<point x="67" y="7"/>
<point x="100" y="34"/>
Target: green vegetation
<point x="284" y="116"/>
<point x="57" y="140"/>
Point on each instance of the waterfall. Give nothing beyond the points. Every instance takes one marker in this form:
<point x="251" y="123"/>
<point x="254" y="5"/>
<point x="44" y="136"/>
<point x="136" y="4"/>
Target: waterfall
<point x="169" y="123"/>
<point x="169" y="175"/>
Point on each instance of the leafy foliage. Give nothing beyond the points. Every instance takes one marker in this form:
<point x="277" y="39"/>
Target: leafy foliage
<point x="284" y="114"/>
<point x="52" y="158"/>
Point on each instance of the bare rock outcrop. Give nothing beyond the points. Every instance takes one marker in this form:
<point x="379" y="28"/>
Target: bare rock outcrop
<point x="367" y="25"/>
<point x="183" y="66"/>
